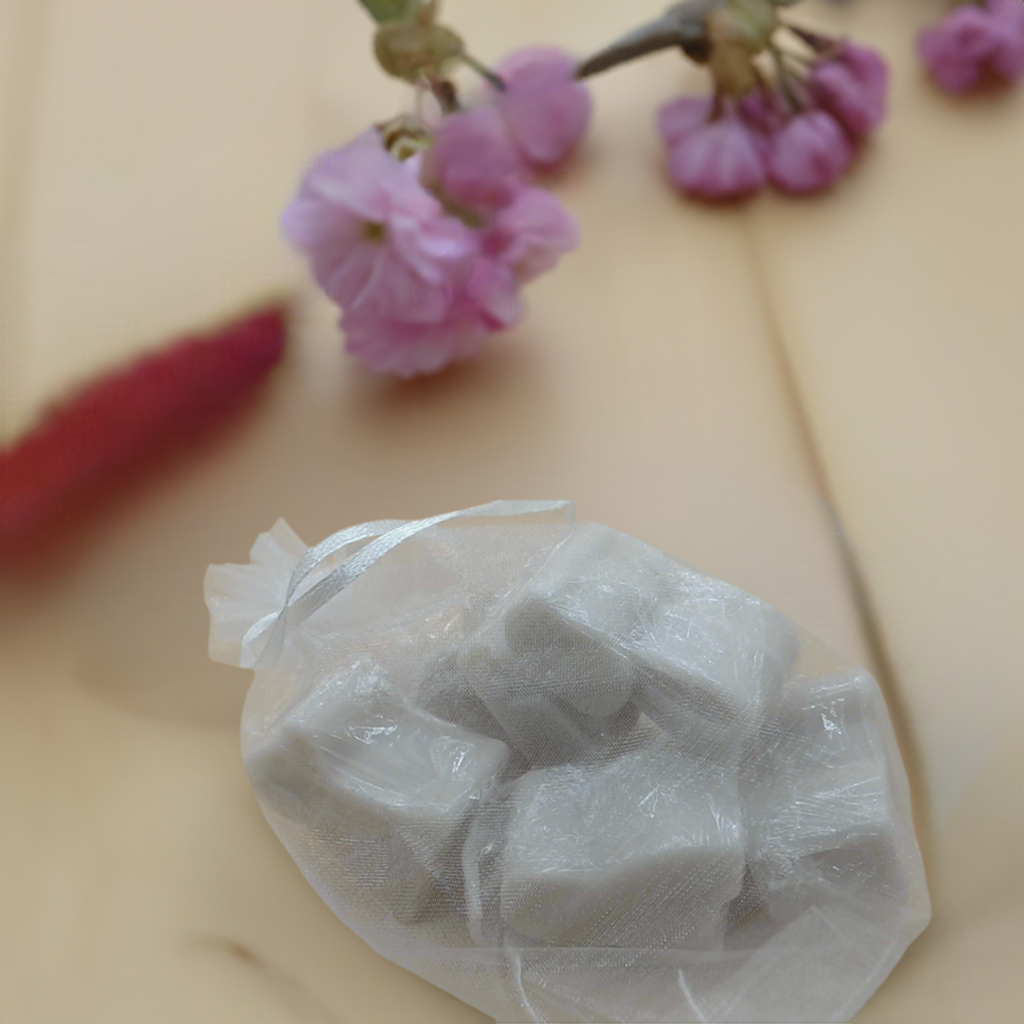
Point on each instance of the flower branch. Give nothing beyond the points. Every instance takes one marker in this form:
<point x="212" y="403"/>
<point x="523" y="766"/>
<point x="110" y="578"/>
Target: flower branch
<point x="791" y="118"/>
<point x="425" y="228"/>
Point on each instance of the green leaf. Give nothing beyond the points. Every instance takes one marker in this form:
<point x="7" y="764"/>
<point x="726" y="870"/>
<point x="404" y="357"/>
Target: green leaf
<point x="390" y="10"/>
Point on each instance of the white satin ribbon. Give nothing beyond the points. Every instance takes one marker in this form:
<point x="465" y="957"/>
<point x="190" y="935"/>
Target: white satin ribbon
<point x="384" y="536"/>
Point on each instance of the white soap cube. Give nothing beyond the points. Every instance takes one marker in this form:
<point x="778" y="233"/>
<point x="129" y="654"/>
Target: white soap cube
<point x="712" y="662"/>
<point x="647" y="848"/>
<point x="826" y="780"/>
<point x="829" y="717"/>
<point x="445" y="690"/>
<point x="354" y="761"/>
<point x="593" y="597"/>
<point x="815" y="809"/>
<point x="822" y="813"/>
<point x="524" y="695"/>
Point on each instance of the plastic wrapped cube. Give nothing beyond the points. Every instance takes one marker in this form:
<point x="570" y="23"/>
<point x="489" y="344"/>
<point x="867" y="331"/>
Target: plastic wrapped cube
<point x="712" y="662"/>
<point x="591" y="598"/>
<point x="526" y="695"/>
<point x="351" y="760"/>
<point x="826" y="811"/>
<point x="649" y="847"/>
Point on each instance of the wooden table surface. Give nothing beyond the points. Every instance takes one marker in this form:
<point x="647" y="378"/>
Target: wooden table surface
<point x="708" y="380"/>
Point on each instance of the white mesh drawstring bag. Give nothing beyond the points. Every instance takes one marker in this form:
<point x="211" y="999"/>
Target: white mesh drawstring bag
<point x="567" y="778"/>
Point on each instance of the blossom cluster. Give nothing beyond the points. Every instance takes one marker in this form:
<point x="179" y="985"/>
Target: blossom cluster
<point x="974" y="43"/>
<point x="425" y="247"/>
<point x="425" y="230"/>
<point x="800" y="135"/>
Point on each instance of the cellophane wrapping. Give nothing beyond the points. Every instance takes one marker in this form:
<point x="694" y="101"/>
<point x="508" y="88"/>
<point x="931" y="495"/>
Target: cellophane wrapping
<point x="568" y="778"/>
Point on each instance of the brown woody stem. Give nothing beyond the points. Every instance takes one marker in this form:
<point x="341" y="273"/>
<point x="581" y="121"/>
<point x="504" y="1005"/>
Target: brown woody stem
<point x="682" y="26"/>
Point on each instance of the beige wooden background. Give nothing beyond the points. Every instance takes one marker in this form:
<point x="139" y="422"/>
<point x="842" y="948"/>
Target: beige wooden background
<point x="705" y="379"/>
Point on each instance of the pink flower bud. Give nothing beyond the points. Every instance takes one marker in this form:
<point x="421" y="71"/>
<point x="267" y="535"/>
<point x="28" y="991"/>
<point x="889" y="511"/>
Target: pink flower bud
<point x="722" y="159"/>
<point x="809" y="153"/>
<point x="531" y="234"/>
<point x="473" y="161"/>
<point x="973" y="42"/>
<point x="853" y="87"/>
<point x="681" y="117"/>
<point x="546" y="109"/>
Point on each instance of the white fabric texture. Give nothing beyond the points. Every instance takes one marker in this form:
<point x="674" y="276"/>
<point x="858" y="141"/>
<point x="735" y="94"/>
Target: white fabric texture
<point x="565" y="777"/>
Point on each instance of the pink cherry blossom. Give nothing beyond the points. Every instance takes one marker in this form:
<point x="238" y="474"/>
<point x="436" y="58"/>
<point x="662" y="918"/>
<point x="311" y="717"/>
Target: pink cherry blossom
<point x="473" y="161"/>
<point x="546" y="110"/>
<point x="488" y="302"/>
<point x="427" y="257"/>
<point x="809" y="153"/>
<point x="722" y="159"/>
<point x="531" y="234"/>
<point x="958" y="49"/>
<point x="682" y="116"/>
<point x="973" y="42"/>
<point x="853" y="87"/>
<point x="377" y="241"/>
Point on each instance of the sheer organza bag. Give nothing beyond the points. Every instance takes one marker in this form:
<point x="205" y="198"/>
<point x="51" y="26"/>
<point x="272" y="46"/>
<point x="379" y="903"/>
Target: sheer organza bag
<point x="566" y="777"/>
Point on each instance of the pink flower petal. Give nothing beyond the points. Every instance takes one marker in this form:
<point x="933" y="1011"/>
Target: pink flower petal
<point x="809" y="154"/>
<point x="547" y="111"/>
<point x="473" y="160"/>
<point x="489" y="302"/>
<point x="532" y="234"/>
<point x="493" y="292"/>
<point x="722" y="160"/>
<point x="410" y="350"/>
<point x="357" y="177"/>
<point x="853" y="88"/>
<point x="377" y="241"/>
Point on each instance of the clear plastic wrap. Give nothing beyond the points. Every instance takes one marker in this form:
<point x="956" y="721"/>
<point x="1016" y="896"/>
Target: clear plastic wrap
<point x="567" y="778"/>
